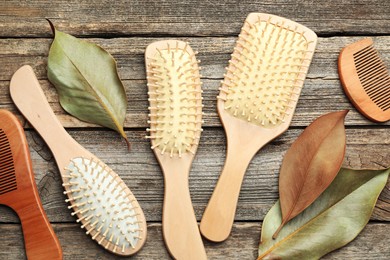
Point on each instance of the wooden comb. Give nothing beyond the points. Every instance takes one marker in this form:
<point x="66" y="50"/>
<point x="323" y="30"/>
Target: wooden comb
<point x="365" y="80"/>
<point x="19" y="191"/>
<point x="256" y="103"/>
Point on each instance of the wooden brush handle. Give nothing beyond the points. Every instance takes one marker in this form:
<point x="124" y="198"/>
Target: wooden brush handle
<point x="180" y="228"/>
<point x="39" y="237"/>
<point x="218" y="218"/>
<point x="28" y="96"/>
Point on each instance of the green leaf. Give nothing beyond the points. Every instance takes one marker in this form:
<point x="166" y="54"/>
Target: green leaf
<point x="87" y="81"/>
<point x="332" y="221"/>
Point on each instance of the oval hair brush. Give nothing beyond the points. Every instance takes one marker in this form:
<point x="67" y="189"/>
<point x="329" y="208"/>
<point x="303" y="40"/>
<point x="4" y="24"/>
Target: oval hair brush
<point x="365" y="80"/>
<point x="257" y="100"/>
<point x="105" y="207"/>
<point x="19" y="191"/>
<point x="175" y="126"/>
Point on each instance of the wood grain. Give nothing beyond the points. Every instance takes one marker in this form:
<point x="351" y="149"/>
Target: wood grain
<point x="200" y="18"/>
<point x="372" y="243"/>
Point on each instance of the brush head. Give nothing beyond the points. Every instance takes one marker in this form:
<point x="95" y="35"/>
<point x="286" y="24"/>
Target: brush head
<point x="366" y="80"/>
<point x="267" y="70"/>
<point x="7" y="169"/>
<point x="104" y="205"/>
<point x="175" y="98"/>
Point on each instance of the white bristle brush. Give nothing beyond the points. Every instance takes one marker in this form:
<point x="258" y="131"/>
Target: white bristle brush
<point x="105" y="207"/>
<point x="256" y="103"/>
<point x="175" y="126"/>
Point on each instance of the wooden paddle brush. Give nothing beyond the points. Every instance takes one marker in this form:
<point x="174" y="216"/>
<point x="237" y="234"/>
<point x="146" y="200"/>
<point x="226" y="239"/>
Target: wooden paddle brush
<point x="175" y="126"/>
<point x="19" y="191"/>
<point x="365" y="80"/>
<point x="102" y="202"/>
<point x="256" y="103"/>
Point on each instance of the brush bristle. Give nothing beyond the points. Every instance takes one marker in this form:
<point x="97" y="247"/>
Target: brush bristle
<point x="7" y="172"/>
<point x="266" y="72"/>
<point x="373" y="76"/>
<point x="175" y="99"/>
<point x="104" y="204"/>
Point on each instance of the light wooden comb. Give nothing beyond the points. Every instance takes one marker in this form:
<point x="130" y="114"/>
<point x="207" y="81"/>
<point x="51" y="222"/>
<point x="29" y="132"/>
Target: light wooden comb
<point x="102" y="202"/>
<point x="175" y="126"/>
<point x="365" y="80"/>
<point x="256" y="103"/>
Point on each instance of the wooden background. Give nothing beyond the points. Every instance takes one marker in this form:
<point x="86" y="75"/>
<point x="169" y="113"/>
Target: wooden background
<point x="125" y="28"/>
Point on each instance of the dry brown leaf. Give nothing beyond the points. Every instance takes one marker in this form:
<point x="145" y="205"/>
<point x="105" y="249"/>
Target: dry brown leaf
<point x="311" y="164"/>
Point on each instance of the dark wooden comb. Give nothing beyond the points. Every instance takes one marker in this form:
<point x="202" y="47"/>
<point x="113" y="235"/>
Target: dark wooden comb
<point x="365" y="80"/>
<point x="19" y="191"/>
<point x="7" y="176"/>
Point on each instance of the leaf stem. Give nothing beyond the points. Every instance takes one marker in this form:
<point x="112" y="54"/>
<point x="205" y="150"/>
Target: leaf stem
<point x="128" y="144"/>
<point x="278" y="230"/>
<point x="53" y="29"/>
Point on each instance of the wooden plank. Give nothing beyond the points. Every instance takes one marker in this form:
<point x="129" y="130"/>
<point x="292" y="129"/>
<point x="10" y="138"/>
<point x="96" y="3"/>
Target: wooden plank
<point x="214" y="52"/>
<point x="21" y="19"/>
<point x="372" y="243"/>
<point x="366" y="148"/>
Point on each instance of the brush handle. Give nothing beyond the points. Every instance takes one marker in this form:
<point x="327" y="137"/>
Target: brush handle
<point x="39" y="237"/>
<point x="28" y="96"/>
<point x="218" y="218"/>
<point x="180" y="228"/>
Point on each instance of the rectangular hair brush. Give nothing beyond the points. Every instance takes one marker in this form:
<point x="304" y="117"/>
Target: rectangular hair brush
<point x="256" y="103"/>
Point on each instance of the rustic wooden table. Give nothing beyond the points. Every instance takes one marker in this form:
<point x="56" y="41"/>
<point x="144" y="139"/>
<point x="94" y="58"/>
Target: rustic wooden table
<point x="125" y="28"/>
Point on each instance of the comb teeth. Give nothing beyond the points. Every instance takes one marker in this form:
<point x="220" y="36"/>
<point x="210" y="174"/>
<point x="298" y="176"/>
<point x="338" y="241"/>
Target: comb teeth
<point x="106" y="209"/>
<point x="7" y="171"/>
<point x="266" y="72"/>
<point x="373" y="76"/>
<point x="175" y="99"/>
